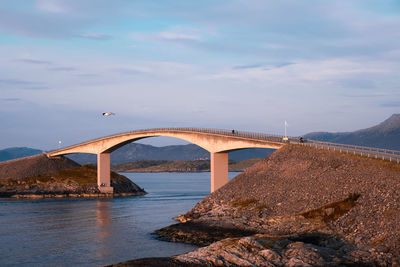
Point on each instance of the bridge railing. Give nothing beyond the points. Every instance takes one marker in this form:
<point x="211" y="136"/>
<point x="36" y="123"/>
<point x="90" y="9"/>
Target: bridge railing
<point x="371" y="152"/>
<point x="244" y="134"/>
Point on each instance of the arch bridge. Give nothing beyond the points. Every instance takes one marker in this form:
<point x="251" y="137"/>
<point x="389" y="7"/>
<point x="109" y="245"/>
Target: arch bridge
<point x="217" y="142"/>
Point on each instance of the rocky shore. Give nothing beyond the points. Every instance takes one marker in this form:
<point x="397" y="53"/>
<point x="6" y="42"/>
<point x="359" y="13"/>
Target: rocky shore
<point x="41" y="177"/>
<point x="308" y="207"/>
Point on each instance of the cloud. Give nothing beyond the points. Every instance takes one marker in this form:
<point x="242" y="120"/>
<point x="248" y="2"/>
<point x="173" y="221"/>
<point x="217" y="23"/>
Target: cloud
<point x="180" y="33"/>
<point x="62" y="69"/>
<point x="356" y="83"/>
<point x="15" y="82"/>
<point x="254" y="66"/>
<point x="263" y="66"/>
<point x="52" y="6"/>
<point x="88" y="75"/>
<point x="39" y="88"/>
<point x="128" y="71"/>
<point x="11" y="99"/>
<point x="34" y="61"/>
<point x="391" y="104"/>
<point x="363" y="95"/>
<point x="97" y="36"/>
<point x="23" y="84"/>
<point x="184" y="35"/>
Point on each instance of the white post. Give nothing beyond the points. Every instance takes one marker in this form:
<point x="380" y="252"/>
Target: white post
<point x="286" y="124"/>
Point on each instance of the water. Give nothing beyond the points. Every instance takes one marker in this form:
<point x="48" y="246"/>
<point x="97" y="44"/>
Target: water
<point x="99" y="232"/>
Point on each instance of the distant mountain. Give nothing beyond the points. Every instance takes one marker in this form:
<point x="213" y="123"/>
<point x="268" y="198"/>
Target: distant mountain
<point x="383" y="135"/>
<point x="135" y="152"/>
<point x="17" y="152"/>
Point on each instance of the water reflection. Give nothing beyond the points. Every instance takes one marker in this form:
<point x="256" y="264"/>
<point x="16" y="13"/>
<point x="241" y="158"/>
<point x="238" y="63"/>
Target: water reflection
<point x="104" y="230"/>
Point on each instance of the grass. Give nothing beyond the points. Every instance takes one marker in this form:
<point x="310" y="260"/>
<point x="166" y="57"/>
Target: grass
<point x="243" y="203"/>
<point x="378" y="240"/>
<point x="332" y="211"/>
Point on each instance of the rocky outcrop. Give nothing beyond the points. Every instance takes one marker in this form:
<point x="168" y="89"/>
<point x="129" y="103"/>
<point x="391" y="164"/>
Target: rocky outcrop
<point x="302" y="191"/>
<point x="265" y="250"/>
<point x="39" y="176"/>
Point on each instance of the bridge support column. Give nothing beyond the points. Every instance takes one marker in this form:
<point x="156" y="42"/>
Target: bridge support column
<point x="219" y="170"/>
<point x="103" y="173"/>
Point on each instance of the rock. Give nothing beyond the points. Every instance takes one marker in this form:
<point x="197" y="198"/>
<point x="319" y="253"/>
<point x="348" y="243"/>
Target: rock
<point x="265" y="250"/>
<point x="325" y="201"/>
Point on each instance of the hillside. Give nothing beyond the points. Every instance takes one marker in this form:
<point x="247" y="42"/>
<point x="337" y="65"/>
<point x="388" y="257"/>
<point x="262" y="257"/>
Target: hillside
<point x="308" y="195"/>
<point x="17" y="152"/>
<point x="34" y="166"/>
<point x="383" y="135"/>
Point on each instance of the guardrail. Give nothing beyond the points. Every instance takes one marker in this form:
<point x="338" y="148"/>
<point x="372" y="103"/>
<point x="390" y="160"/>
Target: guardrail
<point x="370" y="152"/>
<point x="379" y="153"/>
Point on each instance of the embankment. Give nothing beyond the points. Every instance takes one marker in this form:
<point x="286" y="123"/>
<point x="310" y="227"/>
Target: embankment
<point x="343" y="209"/>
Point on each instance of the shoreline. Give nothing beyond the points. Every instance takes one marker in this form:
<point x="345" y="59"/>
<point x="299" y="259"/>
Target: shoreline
<point x="69" y="195"/>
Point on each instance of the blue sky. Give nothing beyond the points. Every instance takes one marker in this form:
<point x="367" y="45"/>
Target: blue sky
<point x="239" y="64"/>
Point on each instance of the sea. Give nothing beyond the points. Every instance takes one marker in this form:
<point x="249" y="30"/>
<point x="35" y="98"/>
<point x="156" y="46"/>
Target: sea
<point x="98" y="232"/>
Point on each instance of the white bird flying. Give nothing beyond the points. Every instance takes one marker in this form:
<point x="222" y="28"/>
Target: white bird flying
<point x="108" y="113"/>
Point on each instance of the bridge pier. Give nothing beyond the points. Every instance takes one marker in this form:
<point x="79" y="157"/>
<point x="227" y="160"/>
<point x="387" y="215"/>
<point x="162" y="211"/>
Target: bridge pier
<point x="219" y="170"/>
<point x="104" y="173"/>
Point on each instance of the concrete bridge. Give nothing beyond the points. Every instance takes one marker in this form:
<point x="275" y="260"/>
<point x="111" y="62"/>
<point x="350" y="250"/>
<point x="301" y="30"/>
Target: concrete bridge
<point x="217" y="142"/>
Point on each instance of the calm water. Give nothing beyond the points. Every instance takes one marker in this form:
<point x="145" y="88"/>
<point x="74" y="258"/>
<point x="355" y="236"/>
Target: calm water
<point x="99" y="232"/>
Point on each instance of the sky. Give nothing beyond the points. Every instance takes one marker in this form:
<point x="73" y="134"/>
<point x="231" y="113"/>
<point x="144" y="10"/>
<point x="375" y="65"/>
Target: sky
<point x="228" y="64"/>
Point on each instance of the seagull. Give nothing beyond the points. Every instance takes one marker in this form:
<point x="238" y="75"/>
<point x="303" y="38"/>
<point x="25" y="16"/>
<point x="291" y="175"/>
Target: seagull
<point x="108" y="113"/>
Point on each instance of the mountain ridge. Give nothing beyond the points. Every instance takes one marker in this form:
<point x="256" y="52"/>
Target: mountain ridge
<point x="383" y="135"/>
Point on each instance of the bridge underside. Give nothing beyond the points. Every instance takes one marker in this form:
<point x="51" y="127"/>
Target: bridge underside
<point x="218" y="145"/>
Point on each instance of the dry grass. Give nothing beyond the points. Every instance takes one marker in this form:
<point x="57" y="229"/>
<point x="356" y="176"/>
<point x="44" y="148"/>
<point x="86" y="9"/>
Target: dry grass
<point x="230" y="242"/>
<point x="243" y="203"/>
<point x="378" y="240"/>
<point x="333" y="210"/>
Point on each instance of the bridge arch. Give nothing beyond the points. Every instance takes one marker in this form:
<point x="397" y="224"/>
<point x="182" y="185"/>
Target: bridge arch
<point x="217" y="142"/>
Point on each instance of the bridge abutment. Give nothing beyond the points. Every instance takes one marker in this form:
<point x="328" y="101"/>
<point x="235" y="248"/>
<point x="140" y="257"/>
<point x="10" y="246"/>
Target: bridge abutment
<point x="104" y="173"/>
<point x="219" y="170"/>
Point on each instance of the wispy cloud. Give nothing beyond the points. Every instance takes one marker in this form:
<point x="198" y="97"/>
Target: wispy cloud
<point x="87" y="75"/>
<point x="38" y="88"/>
<point x="23" y="84"/>
<point x="11" y="99"/>
<point x="52" y="6"/>
<point x="391" y="104"/>
<point x="263" y="66"/>
<point x="253" y="66"/>
<point x="34" y="61"/>
<point x="128" y="71"/>
<point x="97" y="36"/>
<point x="62" y="69"/>
<point x="15" y="82"/>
